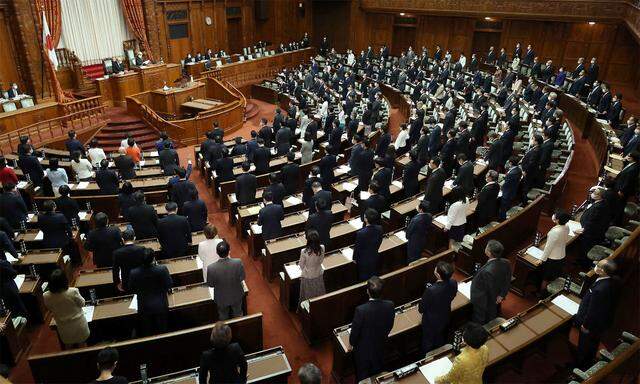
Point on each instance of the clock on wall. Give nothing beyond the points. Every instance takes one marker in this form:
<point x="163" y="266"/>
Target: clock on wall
<point x="208" y="20"/>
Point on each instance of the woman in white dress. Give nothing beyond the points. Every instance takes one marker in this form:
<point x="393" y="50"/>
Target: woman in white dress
<point x="207" y="252"/>
<point x="66" y="303"/>
<point x="555" y="249"/>
<point x="306" y="148"/>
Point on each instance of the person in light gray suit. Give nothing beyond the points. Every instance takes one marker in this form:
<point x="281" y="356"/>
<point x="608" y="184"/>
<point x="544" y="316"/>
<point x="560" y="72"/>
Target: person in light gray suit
<point x="490" y="285"/>
<point x="226" y="276"/>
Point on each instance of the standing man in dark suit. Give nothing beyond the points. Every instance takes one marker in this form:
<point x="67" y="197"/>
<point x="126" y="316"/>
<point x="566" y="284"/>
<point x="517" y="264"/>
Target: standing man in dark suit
<point x="174" y="232"/>
<point x="594" y="221"/>
<point x="12" y="206"/>
<point x="54" y="226"/>
<point x="365" y="165"/>
<point x="447" y="153"/>
<point x="30" y="165"/>
<point x="383" y="141"/>
<point x="265" y="133"/>
<point x="546" y="152"/>
<point x="318" y="195"/>
<point x="530" y="165"/>
<point x="435" y="307"/>
<point x="169" y="159"/>
<point x="196" y="212"/>
<point x="410" y="175"/>
<point x="464" y="177"/>
<point x="246" y="185"/>
<point x="270" y="216"/>
<point x="151" y="282"/>
<point x="277" y="189"/>
<point x="290" y="173"/>
<point x="103" y="241"/>
<point x="327" y="163"/>
<point x="371" y="325"/>
<point x="375" y="201"/>
<point x="321" y="221"/>
<point x="493" y="157"/>
<point x="261" y="157"/>
<point x="143" y="217"/>
<point x="490" y="285"/>
<point x="368" y="240"/>
<point x="435" y="136"/>
<point x="487" y="208"/>
<point x="510" y="186"/>
<point x="435" y="182"/>
<point x="73" y="144"/>
<point x="107" y="179"/>
<point x="417" y="232"/>
<point x="596" y="311"/>
<point x="125" y="259"/>
<point x="626" y="182"/>
<point x="226" y="276"/>
<point x="181" y="190"/>
<point x="283" y="139"/>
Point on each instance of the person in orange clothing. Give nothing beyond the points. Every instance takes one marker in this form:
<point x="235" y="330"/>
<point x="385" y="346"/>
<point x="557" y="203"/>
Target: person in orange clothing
<point x="133" y="151"/>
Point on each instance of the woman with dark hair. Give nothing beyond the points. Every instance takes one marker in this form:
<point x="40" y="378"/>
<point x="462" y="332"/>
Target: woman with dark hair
<point x="125" y="198"/>
<point x="95" y="153"/>
<point x="400" y="144"/>
<point x="456" y="216"/>
<point x="312" y="277"/>
<point x="307" y="148"/>
<point x="57" y="176"/>
<point x="66" y="304"/>
<point x="555" y="248"/>
<point x="469" y="365"/>
<point x="81" y="167"/>
<point x="225" y="362"/>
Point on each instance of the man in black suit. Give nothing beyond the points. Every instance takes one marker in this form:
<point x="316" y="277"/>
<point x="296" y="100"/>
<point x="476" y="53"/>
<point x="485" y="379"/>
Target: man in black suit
<point x="125" y="259"/>
<point x="487" y="208"/>
<point x="246" y="185"/>
<point x="626" y="182"/>
<point x="107" y="179"/>
<point x="73" y="144"/>
<point x="12" y="206"/>
<point x="435" y="307"/>
<point x="594" y="221"/>
<point x="66" y="205"/>
<point x="410" y="175"/>
<point x="270" y="216"/>
<point x="384" y="176"/>
<point x="143" y="217"/>
<point x="283" y="139"/>
<point x="30" y="165"/>
<point x="174" y="232"/>
<point x="371" y="325"/>
<point x="321" y="221"/>
<point x="546" y="152"/>
<point x="327" y="163"/>
<point x="530" y="165"/>
<point x="578" y="85"/>
<point x="54" y="226"/>
<point x="365" y="165"/>
<point x="613" y="114"/>
<point x="261" y="157"/>
<point x="464" y="178"/>
<point x="277" y="189"/>
<point x="103" y="241"/>
<point x="593" y="98"/>
<point x="493" y="157"/>
<point x="265" y="133"/>
<point x="447" y="153"/>
<point x="368" y="240"/>
<point x="151" y="282"/>
<point x="435" y="182"/>
<point x="510" y="186"/>
<point x="596" y="311"/>
<point x="383" y="141"/>
<point x="290" y="173"/>
<point x="224" y="167"/>
<point x="490" y="285"/>
<point x="196" y="212"/>
<point x="278" y="118"/>
<point x="375" y="201"/>
<point x="169" y="159"/>
<point x="318" y="195"/>
<point x="181" y="191"/>
<point x="417" y="232"/>
<point x="125" y="166"/>
<point x="434" y="140"/>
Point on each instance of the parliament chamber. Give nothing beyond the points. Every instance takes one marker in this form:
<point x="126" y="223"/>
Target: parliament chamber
<point x="320" y="191"/>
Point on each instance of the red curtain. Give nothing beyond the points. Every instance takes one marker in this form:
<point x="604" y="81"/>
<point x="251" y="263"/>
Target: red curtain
<point x="51" y="10"/>
<point x="134" y="15"/>
<point x="52" y="13"/>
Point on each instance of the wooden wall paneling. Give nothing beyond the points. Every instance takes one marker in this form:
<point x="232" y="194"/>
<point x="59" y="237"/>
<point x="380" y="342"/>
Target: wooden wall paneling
<point x="623" y="58"/>
<point x="8" y="62"/>
<point x="381" y="30"/>
<point x="330" y="18"/>
<point x="220" y="22"/>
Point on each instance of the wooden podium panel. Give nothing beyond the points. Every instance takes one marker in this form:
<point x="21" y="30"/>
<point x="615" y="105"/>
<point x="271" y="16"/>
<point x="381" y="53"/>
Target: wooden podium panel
<point x="116" y="88"/>
<point x="170" y="101"/>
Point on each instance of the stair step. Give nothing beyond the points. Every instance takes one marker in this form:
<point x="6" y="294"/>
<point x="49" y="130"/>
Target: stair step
<point x="106" y="140"/>
<point x="124" y="129"/>
<point x="117" y="120"/>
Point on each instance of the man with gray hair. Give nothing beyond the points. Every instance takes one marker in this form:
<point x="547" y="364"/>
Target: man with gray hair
<point x="490" y="285"/>
<point x="309" y="374"/>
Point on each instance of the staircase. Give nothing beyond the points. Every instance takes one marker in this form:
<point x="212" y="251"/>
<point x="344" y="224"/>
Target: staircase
<point x="119" y="126"/>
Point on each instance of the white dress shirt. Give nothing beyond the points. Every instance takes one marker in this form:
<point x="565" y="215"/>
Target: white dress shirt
<point x="82" y="169"/>
<point x="401" y="140"/>
<point x="457" y="214"/>
<point x="556" y="244"/>
<point x="96" y="155"/>
<point x="207" y="254"/>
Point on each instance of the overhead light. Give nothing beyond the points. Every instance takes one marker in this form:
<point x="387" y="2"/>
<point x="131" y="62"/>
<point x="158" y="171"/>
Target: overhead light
<point x="592" y="23"/>
<point x="402" y="13"/>
<point x="488" y="18"/>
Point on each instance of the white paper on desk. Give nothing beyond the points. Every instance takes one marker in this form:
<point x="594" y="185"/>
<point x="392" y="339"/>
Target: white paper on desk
<point x="71" y="186"/>
<point x="356" y="223"/>
<point x="39" y="236"/>
<point x="535" y="252"/>
<point x="30" y="216"/>
<point x="566" y="304"/>
<point x="88" y="312"/>
<point x="293" y="270"/>
<point x="211" y="293"/>
<point x="402" y="235"/>
<point x="66" y="259"/>
<point x="82" y="185"/>
<point x="348" y="253"/>
<point x="293" y="200"/>
<point x="199" y="262"/>
<point x="21" y="184"/>
<point x="465" y="289"/>
<point x="481" y="162"/>
<point x="364" y="195"/>
<point x="344" y="168"/>
<point x="153" y="153"/>
<point x="349" y="187"/>
<point x="436" y="368"/>
<point x="573" y="226"/>
<point x="142" y="163"/>
<point x="82" y="215"/>
<point x="112" y="164"/>
<point x="134" y="303"/>
<point x="442" y="219"/>
<point x="19" y="280"/>
<point x="257" y="229"/>
<point x="397" y="183"/>
<point x="448" y="184"/>
<point x="305" y="214"/>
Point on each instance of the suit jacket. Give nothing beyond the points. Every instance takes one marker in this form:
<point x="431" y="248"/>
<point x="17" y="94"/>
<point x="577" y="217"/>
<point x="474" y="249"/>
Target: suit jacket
<point x="465" y="177"/>
<point x="383" y="177"/>
<point x="224" y="169"/>
<point x="511" y="183"/>
<point x="223" y="365"/>
<point x="372" y="322"/>
<point x="595" y="220"/>
<point x="125" y="259"/>
<point x="278" y="191"/>
<point x="30" y="165"/>
<point x="577" y="86"/>
<point x="283" y="140"/>
<point x="108" y="182"/>
<point x="196" y="212"/>
<point x="246" y="185"/>
<point x="546" y="151"/>
<point x="365" y="253"/>
<point x="261" y="160"/>
<point x="181" y="192"/>
<point x="627" y="180"/>
<point x="269" y="218"/>
<point x="417" y="235"/>
<point x="168" y="161"/>
<point x="433" y="192"/>
<point x="125" y="166"/>
<point x="383" y="144"/>
<point x="68" y="207"/>
<point x="74" y="145"/>
<point x="320" y="195"/>
<point x="494" y="155"/>
<point x="56" y="230"/>
<point x="103" y="242"/>
<point x="144" y="221"/>
<point x="377" y="202"/>
<point x="290" y="174"/>
<point x="410" y="178"/>
<point x="151" y="283"/>
<point x="266" y="133"/>
<point x="321" y="221"/>
<point x="435" y="305"/>
<point x="434" y="140"/>
<point x="326" y="164"/>
<point x="492" y="280"/>
<point x="598" y="305"/>
<point x="174" y="233"/>
<point x="226" y="276"/>
<point x="13" y="208"/>
<point x="632" y="145"/>
<point x="487" y="204"/>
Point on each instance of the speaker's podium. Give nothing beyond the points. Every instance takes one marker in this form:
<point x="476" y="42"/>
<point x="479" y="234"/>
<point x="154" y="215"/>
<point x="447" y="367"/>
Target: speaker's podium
<point x="116" y="87"/>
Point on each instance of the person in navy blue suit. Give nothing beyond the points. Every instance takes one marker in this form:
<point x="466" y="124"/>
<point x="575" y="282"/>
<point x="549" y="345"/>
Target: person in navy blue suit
<point x="318" y="194"/>
<point x="277" y="189"/>
<point x="435" y="307"/>
<point x="383" y="141"/>
<point x="434" y="140"/>
<point x="368" y="240"/>
<point x="196" y="212"/>
<point x="596" y="311"/>
<point x="73" y="144"/>
<point x="327" y="164"/>
<point x="371" y="325"/>
<point x="417" y="232"/>
<point x="174" y="232"/>
<point x="510" y="186"/>
<point x="410" y="174"/>
<point x="269" y="217"/>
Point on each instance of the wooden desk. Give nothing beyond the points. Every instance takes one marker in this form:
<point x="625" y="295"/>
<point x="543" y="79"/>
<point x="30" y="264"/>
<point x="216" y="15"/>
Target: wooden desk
<point x="13" y="341"/>
<point x="13" y="120"/>
<point x="170" y="101"/>
<point x="200" y="105"/>
<point x="31" y="295"/>
<point x="115" y="88"/>
<point x="79" y="365"/>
